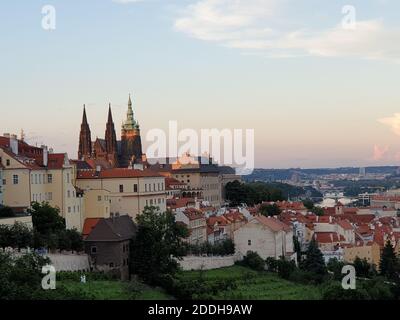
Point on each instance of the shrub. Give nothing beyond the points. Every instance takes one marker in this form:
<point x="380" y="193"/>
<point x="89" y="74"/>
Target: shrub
<point x="272" y="264"/>
<point x="254" y="261"/>
<point x="285" y="268"/>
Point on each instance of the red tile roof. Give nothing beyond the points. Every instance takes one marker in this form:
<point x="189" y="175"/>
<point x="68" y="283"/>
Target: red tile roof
<point x="89" y="225"/>
<point x="273" y="223"/>
<point x="194" y="214"/>
<point x="328" y="237"/>
<point x="180" y="202"/>
<point x="56" y="160"/>
<point x="345" y="224"/>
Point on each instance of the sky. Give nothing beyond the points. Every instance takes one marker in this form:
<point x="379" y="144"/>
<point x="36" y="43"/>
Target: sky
<point x="317" y="80"/>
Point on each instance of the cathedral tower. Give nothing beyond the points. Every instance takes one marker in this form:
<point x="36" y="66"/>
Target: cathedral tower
<point x="111" y="140"/>
<point x="85" y="140"/>
<point x="131" y="143"/>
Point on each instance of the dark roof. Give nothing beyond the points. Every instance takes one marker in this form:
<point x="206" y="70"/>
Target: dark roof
<point x="113" y="229"/>
<point x="81" y="165"/>
<point x="227" y="170"/>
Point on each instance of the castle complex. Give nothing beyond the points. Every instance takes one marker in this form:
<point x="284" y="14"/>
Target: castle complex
<point x="108" y="152"/>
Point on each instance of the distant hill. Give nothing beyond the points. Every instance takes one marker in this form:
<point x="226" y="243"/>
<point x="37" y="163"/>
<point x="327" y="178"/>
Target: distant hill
<point x="286" y="174"/>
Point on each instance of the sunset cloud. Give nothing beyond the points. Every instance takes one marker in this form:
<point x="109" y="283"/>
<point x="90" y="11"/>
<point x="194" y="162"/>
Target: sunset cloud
<point x="249" y="25"/>
<point x="393" y="122"/>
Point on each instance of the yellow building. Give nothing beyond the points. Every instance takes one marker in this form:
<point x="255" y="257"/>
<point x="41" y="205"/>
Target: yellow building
<point x="120" y="191"/>
<point x="370" y="251"/>
<point x="33" y="174"/>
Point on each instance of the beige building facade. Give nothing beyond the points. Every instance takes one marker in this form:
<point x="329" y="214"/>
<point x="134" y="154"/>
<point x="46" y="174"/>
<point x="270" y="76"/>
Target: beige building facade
<point x="121" y="191"/>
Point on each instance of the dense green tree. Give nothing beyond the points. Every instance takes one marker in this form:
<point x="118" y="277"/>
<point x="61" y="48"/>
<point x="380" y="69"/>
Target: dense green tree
<point x="297" y="248"/>
<point x="46" y="219"/>
<point x="314" y="261"/>
<point x="254" y="261"/>
<point x="335" y="266"/>
<point x="21" y="277"/>
<point x="158" y="243"/>
<point x="389" y="264"/>
<point x="309" y="204"/>
<point x="363" y="268"/>
<point x="270" y="210"/>
<point x="6" y="212"/>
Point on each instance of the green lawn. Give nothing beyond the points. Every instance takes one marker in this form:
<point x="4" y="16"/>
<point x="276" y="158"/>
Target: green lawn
<point x="250" y="284"/>
<point x="256" y="285"/>
<point x="112" y="290"/>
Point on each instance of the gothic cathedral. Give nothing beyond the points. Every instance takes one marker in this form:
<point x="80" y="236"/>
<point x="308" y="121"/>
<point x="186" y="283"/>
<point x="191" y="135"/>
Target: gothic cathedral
<point x="108" y="152"/>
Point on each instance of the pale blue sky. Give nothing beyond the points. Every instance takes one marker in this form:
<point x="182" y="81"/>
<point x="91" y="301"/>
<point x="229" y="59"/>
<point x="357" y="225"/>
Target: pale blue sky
<point x="314" y="92"/>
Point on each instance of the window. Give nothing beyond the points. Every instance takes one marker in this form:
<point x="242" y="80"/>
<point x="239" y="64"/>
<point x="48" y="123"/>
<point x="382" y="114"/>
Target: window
<point x="135" y="188"/>
<point x="121" y="188"/>
<point x="69" y="209"/>
<point x="36" y="180"/>
<point x="15" y="179"/>
<point x="145" y="187"/>
<point x="67" y="177"/>
<point x="49" y="178"/>
<point x="98" y="198"/>
<point x="69" y="194"/>
<point x="249" y="242"/>
<point x="93" y="250"/>
<point x="40" y="179"/>
<point x="8" y="162"/>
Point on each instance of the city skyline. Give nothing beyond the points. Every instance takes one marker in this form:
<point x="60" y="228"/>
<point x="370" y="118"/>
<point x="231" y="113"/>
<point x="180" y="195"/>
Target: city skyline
<point x="210" y="64"/>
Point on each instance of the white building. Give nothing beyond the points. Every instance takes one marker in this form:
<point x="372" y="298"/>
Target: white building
<point x="269" y="237"/>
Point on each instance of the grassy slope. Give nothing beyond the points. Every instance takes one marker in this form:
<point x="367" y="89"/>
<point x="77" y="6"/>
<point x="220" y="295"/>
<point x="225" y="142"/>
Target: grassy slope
<point x="257" y="285"/>
<point x="113" y="290"/>
<point x="251" y="285"/>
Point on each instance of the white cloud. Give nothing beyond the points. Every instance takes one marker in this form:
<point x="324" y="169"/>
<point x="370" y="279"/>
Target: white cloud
<point x="393" y="122"/>
<point x="380" y="153"/>
<point x="249" y="25"/>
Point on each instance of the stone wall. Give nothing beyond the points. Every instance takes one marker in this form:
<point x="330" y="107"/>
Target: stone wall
<point x="207" y="263"/>
<point x="70" y="262"/>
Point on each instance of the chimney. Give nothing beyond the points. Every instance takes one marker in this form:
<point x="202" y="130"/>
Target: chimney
<point x="14" y="144"/>
<point x="138" y="166"/>
<point x="45" y="156"/>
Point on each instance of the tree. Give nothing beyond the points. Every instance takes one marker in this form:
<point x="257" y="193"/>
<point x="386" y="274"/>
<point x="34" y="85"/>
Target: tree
<point x="159" y="242"/>
<point x="297" y="248"/>
<point x="270" y="210"/>
<point x="335" y="266"/>
<point x="314" y="261"/>
<point x="6" y="212"/>
<point x="389" y="264"/>
<point x="21" y="277"/>
<point x="46" y="219"/>
<point x="318" y="211"/>
<point x="309" y="204"/>
<point x="253" y="261"/>
<point x="363" y="268"/>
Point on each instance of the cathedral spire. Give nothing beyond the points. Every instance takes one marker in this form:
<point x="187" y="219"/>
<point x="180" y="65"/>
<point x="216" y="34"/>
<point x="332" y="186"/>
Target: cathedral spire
<point x="110" y="119"/>
<point x="111" y="138"/>
<point x="85" y="140"/>
<point x="84" y="119"/>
